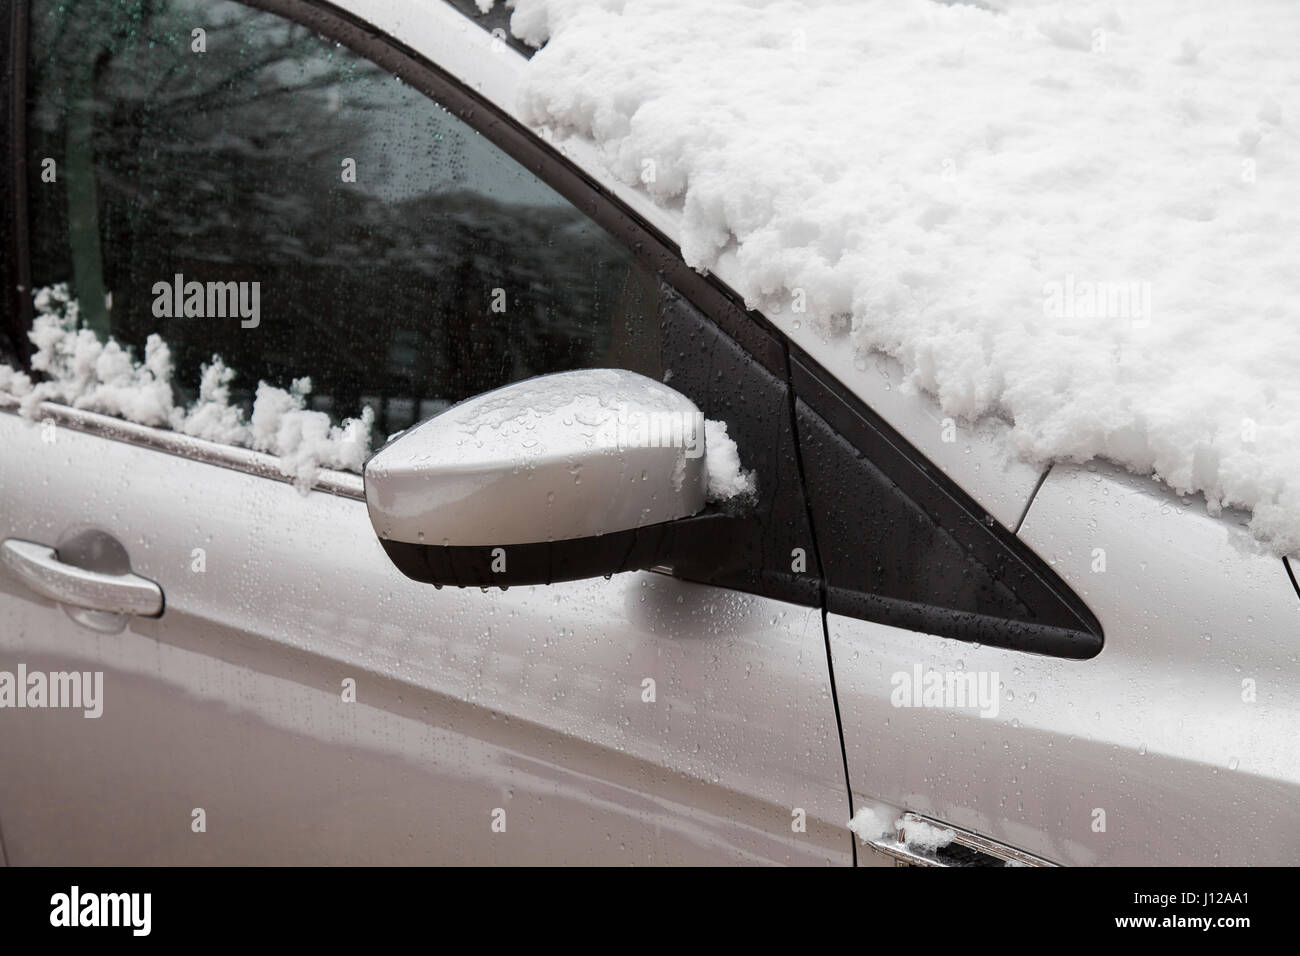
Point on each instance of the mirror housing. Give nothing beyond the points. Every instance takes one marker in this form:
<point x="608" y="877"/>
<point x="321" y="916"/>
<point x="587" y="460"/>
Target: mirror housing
<point x="564" y="476"/>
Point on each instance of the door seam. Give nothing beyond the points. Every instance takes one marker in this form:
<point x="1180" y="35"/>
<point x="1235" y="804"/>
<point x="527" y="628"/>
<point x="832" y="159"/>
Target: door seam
<point x="821" y="589"/>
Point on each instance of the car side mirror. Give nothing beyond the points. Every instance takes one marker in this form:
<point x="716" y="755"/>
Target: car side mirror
<point x="566" y="476"/>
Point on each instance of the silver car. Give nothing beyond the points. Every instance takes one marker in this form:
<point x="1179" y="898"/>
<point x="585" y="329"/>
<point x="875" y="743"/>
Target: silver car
<point x="533" y="627"/>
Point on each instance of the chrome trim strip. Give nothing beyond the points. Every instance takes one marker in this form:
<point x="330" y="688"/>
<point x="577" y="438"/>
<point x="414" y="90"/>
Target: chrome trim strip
<point x="897" y="847"/>
<point x="341" y="483"/>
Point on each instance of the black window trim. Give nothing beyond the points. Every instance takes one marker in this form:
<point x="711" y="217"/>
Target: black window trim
<point x="13" y="207"/>
<point x="1068" y="628"/>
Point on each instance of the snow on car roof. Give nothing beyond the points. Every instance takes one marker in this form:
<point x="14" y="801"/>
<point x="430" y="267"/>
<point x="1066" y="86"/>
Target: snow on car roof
<point x="1080" y="218"/>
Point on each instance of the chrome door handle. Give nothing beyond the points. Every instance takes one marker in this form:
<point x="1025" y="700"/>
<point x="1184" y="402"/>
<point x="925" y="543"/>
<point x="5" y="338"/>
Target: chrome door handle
<point x="974" y="848"/>
<point x="38" y="566"/>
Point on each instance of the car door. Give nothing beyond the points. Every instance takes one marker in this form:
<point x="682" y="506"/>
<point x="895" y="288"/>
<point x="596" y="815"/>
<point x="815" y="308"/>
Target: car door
<point x="297" y="699"/>
<point x="1092" y="687"/>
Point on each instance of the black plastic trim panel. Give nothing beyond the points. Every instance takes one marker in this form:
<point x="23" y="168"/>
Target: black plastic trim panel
<point x="901" y="544"/>
<point x="775" y="552"/>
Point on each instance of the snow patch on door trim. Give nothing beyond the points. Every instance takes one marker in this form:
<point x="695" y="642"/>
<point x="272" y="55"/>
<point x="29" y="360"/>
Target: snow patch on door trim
<point x="342" y="483"/>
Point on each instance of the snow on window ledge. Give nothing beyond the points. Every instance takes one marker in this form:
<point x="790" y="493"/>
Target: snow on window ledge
<point x="84" y="373"/>
<point x="103" y="377"/>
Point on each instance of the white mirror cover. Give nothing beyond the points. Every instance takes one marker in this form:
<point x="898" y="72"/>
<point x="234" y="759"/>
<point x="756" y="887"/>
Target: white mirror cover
<point x="557" y="457"/>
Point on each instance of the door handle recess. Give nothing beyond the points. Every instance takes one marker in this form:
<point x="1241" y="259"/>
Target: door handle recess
<point x="38" y="566"/>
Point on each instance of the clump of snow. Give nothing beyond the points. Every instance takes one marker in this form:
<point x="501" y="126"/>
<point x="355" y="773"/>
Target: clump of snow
<point x="874" y="822"/>
<point x="925" y="837"/>
<point x="83" y="372"/>
<point x="727" y="479"/>
<point x="306" y="440"/>
<point x="1079" y="217"/>
<point x="13" y="381"/>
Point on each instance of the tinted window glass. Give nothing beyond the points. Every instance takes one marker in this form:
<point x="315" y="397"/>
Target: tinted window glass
<point x="340" y="224"/>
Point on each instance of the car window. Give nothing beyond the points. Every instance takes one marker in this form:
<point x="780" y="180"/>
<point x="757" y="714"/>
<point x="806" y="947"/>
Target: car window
<point x="244" y="187"/>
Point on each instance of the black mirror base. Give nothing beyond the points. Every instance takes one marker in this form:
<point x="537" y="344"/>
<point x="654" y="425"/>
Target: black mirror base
<point x="550" y="562"/>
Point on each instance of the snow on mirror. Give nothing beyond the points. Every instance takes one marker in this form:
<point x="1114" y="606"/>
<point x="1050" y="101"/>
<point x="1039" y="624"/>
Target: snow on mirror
<point x="556" y="477"/>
